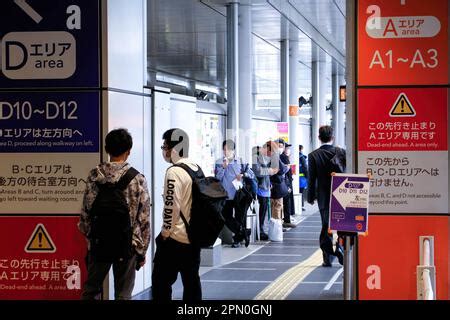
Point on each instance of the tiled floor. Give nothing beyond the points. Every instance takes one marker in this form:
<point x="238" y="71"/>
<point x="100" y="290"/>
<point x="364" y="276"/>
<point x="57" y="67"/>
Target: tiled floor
<point x="245" y="272"/>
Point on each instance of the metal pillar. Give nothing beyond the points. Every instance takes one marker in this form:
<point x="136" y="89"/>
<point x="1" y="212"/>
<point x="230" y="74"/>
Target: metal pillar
<point x="350" y="76"/>
<point x="293" y="112"/>
<point x="340" y="115"/>
<point x="322" y="102"/>
<point x="348" y="269"/>
<point x="319" y="113"/>
<point x="284" y="79"/>
<point x="335" y="101"/>
<point x="220" y="66"/>
<point x="245" y="82"/>
<point x="232" y="73"/>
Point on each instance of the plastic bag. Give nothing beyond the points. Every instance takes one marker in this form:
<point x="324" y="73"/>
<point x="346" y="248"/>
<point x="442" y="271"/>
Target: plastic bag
<point x="275" y="230"/>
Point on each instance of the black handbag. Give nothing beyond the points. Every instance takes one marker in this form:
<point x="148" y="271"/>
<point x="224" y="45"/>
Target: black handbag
<point x="279" y="190"/>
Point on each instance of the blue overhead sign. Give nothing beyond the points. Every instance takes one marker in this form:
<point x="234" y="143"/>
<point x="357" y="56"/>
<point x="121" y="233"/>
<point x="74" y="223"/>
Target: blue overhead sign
<point x="48" y="122"/>
<point x="49" y="43"/>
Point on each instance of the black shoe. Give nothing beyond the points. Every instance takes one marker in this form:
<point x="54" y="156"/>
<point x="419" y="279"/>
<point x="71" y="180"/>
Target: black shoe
<point x="235" y="245"/>
<point x="263" y="236"/>
<point x="339" y="254"/>
<point x="327" y="259"/>
<point x="247" y="238"/>
<point x="289" y="225"/>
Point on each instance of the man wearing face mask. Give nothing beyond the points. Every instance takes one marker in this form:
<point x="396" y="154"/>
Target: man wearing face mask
<point x="228" y="172"/>
<point x="288" y="200"/>
<point x="174" y="252"/>
<point x="263" y="171"/>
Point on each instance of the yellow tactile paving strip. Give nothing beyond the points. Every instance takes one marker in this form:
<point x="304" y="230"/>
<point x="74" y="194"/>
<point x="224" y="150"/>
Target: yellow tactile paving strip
<point x="281" y="287"/>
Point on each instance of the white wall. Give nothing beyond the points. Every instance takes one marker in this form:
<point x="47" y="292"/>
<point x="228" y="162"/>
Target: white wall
<point x="161" y="123"/>
<point x="183" y="116"/>
<point x="124" y="60"/>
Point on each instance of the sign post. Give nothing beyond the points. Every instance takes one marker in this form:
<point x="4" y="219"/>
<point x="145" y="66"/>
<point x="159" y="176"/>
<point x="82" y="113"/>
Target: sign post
<point x="349" y="217"/>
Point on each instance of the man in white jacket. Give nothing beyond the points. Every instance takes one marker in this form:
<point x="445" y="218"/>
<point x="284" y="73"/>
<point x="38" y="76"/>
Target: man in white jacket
<point x="174" y="252"/>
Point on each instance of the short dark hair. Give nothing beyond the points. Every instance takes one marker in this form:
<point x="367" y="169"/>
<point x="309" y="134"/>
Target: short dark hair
<point x="118" y="141"/>
<point x="230" y="144"/>
<point x="300" y="147"/>
<point x="325" y="133"/>
<point x="178" y="140"/>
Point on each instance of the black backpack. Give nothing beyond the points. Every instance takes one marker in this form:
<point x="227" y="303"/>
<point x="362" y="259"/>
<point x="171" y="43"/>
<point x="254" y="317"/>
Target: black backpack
<point x="208" y="200"/>
<point x="338" y="161"/>
<point x="250" y="183"/>
<point x="111" y="233"/>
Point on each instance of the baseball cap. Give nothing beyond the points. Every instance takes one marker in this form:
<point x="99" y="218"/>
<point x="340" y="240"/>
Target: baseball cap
<point x="283" y="142"/>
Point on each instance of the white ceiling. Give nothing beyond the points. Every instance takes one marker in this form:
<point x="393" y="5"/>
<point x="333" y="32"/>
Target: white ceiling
<point x="187" y="38"/>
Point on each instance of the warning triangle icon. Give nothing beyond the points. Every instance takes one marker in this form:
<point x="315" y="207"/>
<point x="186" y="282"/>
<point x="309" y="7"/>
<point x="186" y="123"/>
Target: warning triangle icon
<point x="40" y="241"/>
<point x="402" y="107"/>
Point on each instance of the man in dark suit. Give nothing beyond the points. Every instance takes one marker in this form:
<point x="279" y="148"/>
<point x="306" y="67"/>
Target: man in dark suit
<point x="319" y="185"/>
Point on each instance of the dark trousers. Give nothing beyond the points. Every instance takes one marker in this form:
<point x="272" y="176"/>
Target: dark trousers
<point x="303" y="192"/>
<point x="173" y="257"/>
<point x="236" y="222"/>
<point x="263" y="209"/>
<point x="124" y="276"/>
<point x="288" y="207"/>
<point x="326" y="239"/>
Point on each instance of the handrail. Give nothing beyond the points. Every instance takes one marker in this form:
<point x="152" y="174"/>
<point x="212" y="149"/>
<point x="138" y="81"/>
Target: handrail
<point x="426" y="252"/>
<point x="428" y="293"/>
<point x="426" y="278"/>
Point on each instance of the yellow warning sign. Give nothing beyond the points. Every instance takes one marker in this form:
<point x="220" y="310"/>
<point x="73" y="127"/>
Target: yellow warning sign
<point x="402" y="107"/>
<point x="40" y="241"/>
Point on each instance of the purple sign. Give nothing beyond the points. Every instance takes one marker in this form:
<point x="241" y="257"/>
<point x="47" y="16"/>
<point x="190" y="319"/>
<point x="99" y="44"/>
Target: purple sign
<point x="349" y="203"/>
<point x="49" y="122"/>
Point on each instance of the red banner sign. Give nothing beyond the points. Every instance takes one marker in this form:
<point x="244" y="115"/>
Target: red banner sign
<point x="42" y="258"/>
<point x="402" y="42"/>
<point x="402" y="119"/>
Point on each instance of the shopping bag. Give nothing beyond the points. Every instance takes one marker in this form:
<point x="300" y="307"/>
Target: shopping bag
<point x="275" y="230"/>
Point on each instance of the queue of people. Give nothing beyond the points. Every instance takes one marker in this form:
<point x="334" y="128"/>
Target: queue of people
<point x="115" y="216"/>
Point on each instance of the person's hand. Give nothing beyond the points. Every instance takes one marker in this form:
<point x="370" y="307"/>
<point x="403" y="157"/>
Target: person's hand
<point x="273" y="171"/>
<point x="239" y="177"/>
<point x="289" y="190"/>
<point x="225" y="162"/>
<point x="142" y="263"/>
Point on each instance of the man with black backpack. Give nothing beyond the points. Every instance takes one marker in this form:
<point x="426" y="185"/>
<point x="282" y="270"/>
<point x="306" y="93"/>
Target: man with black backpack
<point x="115" y="218"/>
<point x="322" y="163"/>
<point x="191" y="220"/>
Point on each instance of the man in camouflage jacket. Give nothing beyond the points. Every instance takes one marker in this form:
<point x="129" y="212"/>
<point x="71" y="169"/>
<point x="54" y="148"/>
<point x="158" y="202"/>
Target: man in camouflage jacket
<point x="118" y="144"/>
